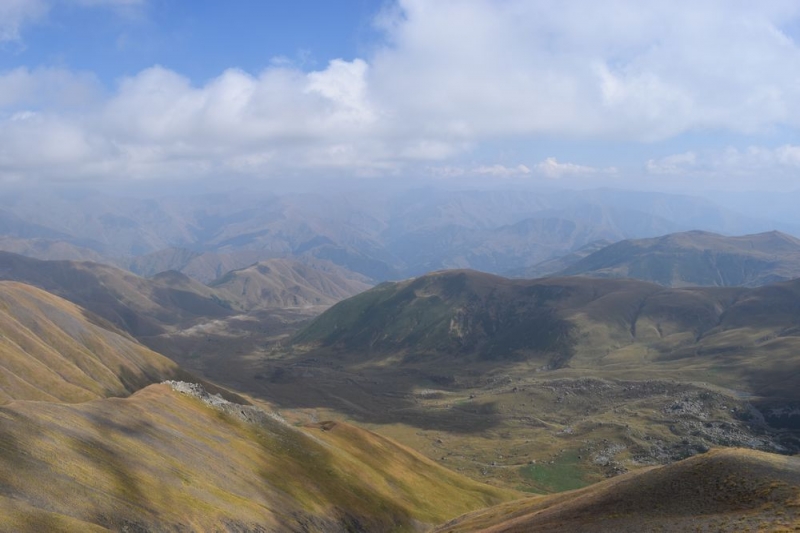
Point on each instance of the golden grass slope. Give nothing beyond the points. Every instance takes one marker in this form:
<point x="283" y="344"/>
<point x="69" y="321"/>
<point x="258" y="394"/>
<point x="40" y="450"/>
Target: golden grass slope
<point x="140" y="306"/>
<point x="162" y="461"/>
<point x="725" y="490"/>
<point x="50" y="349"/>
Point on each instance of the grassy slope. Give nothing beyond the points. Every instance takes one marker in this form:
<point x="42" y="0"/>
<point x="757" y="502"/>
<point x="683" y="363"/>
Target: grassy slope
<point x="740" y="338"/>
<point x="452" y="312"/>
<point x="731" y="490"/>
<point x="51" y="350"/>
<point x="139" y="306"/>
<point x="161" y="460"/>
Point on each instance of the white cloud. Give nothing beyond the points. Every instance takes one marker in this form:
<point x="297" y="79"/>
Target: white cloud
<point x="551" y="168"/>
<point x="626" y="69"/>
<point x="452" y="74"/>
<point x="502" y="171"/>
<point x="47" y="87"/>
<point x="672" y="164"/>
<point x="760" y="166"/>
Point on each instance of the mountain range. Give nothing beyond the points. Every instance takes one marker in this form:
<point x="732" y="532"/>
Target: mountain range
<point x="382" y="235"/>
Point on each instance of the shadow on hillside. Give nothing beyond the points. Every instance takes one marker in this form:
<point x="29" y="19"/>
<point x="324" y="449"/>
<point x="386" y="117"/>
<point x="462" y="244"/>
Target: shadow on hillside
<point x="371" y="397"/>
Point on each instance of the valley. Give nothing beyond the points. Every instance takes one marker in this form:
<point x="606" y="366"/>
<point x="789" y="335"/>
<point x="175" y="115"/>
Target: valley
<point x="639" y="387"/>
<point x="519" y="386"/>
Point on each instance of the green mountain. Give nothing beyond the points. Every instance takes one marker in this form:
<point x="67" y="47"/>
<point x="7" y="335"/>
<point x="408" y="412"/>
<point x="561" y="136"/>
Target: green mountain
<point x="748" y="336"/>
<point x="696" y="258"/>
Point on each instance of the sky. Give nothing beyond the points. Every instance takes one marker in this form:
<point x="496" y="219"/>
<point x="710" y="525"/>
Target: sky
<point x="665" y="95"/>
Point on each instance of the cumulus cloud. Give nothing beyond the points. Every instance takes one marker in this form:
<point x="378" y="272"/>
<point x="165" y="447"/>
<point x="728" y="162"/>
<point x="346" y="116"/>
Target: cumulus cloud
<point x="56" y="88"/>
<point x="775" y="167"/>
<point x="449" y="75"/>
<point x="631" y="70"/>
<point x="503" y="171"/>
<point x="551" y="168"/>
<point x="672" y="164"/>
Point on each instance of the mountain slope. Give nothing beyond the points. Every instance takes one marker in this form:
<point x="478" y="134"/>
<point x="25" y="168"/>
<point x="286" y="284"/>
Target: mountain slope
<point x="51" y="350"/>
<point x="290" y="283"/>
<point x="140" y="306"/>
<point x="557" y="264"/>
<point x="165" y="461"/>
<point x="697" y="258"/>
<point x="725" y="491"/>
<point x="456" y="313"/>
<point x="748" y="337"/>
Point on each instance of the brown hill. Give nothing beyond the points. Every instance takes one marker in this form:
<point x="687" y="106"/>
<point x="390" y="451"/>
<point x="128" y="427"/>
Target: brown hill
<point x="165" y="461"/>
<point x="290" y="283"/>
<point x="50" y="349"/>
<point x="696" y="258"/>
<point x="140" y="306"/>
<point x="725" y="491"/>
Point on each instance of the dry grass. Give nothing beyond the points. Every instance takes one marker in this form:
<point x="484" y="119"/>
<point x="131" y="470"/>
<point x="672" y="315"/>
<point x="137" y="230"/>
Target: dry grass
<point x="162" y="460"/>
<point x="51" y="350"/>
<point x="730" y="490"/>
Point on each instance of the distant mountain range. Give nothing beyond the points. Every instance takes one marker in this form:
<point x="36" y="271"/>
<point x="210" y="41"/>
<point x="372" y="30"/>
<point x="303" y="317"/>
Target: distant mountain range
<point x="381" y="235"/>
<point x="694" y="258"/>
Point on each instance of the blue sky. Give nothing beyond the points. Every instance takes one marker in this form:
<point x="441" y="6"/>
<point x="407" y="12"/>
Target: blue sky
<point x="672" y="95"/>
<point x="199" y="38"/>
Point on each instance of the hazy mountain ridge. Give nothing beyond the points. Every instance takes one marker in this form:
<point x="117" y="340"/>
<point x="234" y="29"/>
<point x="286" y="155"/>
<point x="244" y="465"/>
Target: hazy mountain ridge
<point x="696" y="258"/>
<point x="383" y="235"/>
<point x="288" y="283"/>
<point x="201" y="266"/>
<point x="551" y="266"/>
